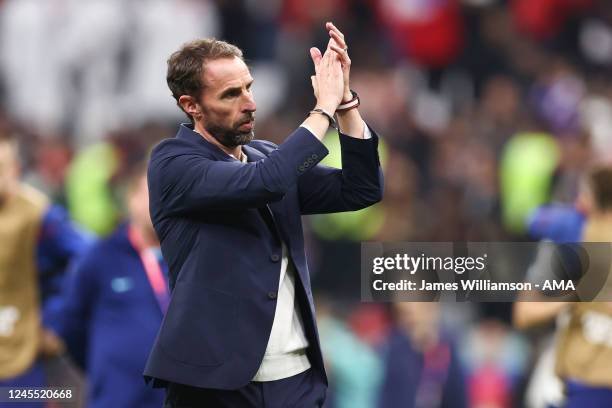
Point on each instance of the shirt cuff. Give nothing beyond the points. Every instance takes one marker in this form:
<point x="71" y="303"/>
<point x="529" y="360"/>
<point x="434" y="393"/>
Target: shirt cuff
<point x="307" y="128"/>
<point x="367" y="134"/>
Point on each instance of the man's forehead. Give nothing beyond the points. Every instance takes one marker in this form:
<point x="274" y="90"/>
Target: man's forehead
<point x="224" y="72"/>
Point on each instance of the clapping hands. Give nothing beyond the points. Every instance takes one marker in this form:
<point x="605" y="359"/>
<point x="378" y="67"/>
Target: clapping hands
<point x="331" y="80"/>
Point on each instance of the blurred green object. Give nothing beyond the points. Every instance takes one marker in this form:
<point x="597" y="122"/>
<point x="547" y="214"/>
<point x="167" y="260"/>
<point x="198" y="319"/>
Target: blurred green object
<point x="90" y="198"/>
<point x="527" y="167"/>
<point x="354" y="225"/>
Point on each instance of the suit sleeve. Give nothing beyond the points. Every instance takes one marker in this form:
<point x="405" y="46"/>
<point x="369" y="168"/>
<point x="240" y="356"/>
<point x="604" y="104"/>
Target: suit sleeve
<point x="190" y="182"/>
<point x="357" y="185"/>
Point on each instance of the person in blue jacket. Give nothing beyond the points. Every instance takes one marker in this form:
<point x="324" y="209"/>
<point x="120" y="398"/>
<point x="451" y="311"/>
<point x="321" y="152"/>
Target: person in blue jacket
<point x="37" y="242"/>
<point x="114" y="302"/>
<point x="422" y="368"/>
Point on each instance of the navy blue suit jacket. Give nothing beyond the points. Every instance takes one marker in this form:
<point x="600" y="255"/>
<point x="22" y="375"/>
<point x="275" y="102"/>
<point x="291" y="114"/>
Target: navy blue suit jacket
<point x="220" y="222"/>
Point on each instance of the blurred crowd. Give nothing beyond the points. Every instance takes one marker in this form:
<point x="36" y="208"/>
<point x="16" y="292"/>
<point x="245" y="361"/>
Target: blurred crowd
<point x="488" y="110"/>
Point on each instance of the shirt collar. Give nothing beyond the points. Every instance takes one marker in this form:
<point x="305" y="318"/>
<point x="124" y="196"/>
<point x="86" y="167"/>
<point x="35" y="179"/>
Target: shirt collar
<point x="243" y="157"/>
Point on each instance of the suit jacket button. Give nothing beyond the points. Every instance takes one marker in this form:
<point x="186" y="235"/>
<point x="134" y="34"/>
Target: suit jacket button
<point x="272" y="295"/>
<point x="275" y="257"/>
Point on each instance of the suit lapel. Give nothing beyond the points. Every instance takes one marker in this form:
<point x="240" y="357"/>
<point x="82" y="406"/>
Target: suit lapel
<point x="253" y="154"/>
<point x="275" y="210"/>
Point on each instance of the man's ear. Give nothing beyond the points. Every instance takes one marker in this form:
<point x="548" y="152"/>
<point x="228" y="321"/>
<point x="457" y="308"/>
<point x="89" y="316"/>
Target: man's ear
<point x="190" y="106"/>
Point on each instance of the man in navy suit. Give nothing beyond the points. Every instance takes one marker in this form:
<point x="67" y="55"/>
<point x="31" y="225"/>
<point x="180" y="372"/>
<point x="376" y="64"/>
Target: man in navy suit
<point x="240" y="329"/>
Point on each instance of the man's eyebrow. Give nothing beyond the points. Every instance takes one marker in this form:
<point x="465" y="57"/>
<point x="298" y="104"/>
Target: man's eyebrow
<point x="231" y="89"/>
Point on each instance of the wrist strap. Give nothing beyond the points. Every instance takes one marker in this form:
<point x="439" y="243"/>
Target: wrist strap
<point x="332" y="121"/>
<point x="350" y="104"/>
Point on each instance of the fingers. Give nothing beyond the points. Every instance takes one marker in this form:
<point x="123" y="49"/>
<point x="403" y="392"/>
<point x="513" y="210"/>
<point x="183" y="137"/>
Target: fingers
<point x="328" y="59"/>
<point x="332" y="67"/>
<point x="329" y="63"/>
<point x="333" y="29"/>
<point x="316" y="56"/>
<point x="339" y="40"/>
<point x="330" y="70"/>
<point x="342" y="54"/>
<point x="338" y="44"/>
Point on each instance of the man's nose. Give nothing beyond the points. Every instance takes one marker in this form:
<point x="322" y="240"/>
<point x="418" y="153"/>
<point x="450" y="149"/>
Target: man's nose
<point x="249" y="105"/>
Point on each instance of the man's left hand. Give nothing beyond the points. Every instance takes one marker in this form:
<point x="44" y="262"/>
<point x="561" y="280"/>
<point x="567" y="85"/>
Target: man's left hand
<point x="338" y="44"/>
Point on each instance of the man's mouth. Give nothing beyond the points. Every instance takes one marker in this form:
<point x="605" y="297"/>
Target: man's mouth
<point x="248" y="124"/>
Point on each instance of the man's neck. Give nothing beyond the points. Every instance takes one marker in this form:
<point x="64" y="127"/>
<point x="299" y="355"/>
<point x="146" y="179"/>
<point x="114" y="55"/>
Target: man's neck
<point x="234" y="151"/>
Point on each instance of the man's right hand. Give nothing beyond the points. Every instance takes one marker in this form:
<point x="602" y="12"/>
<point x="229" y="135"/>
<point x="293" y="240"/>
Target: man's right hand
<point x="328" y="86"/>
<point x="328" y="82"/>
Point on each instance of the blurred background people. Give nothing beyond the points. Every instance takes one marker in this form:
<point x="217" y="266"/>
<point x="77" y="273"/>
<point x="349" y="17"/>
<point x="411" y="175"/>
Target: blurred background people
<point x="584" y="350"/>
<point x="422" y="366"/>
<point x="582" y="347"/>
<point x="551" y="224"/>
<point x="38" y="242"/>
<point x="113" y="303"/>
<point x="351" y="341"/>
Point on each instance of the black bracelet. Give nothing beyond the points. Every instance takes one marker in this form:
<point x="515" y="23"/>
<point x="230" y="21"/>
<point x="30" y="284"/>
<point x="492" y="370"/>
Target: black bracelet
<point x="352" y="103"/>
<point x="332" y="121"/>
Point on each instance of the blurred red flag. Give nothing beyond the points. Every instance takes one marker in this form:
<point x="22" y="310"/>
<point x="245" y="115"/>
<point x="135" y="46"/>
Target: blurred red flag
<point x="543" y="19"/>
<point x="430" y="32"/>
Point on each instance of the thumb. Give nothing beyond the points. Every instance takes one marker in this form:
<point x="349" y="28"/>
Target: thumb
<point x="313" y="81"/>
<point x="316" y="56"/>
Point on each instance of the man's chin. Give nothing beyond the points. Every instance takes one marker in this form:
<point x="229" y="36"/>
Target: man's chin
<point x="250" y="137"/>
<point x="239" y="139"/>
<point x="245" y="138"/>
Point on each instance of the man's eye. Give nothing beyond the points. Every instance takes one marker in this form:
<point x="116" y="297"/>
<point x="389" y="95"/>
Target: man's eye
<point x="232" y="94"/>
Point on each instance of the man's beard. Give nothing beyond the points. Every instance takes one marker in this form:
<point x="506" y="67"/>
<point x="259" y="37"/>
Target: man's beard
<point x="231" y="137"/>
